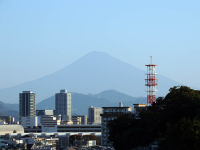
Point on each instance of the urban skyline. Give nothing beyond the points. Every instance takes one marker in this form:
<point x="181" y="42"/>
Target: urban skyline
<point x="99" y="51"/>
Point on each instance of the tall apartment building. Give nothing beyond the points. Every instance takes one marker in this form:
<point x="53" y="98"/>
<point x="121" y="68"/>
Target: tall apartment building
<point x="63" y="105"/>
<point x="110" y="113"/>
<point x="27" y="104"/>
<point x="94" y="115"/>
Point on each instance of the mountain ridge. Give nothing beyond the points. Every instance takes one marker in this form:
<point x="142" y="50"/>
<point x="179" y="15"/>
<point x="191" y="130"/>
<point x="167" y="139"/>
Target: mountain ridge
<point x="91" y="73"/>
<point x="81" y="102"/>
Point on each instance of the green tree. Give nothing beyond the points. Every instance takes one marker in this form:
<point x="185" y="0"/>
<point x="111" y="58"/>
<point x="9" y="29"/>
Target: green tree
<point x="119" y="131"/>
<point x="172" y="121"/>
<point x="183" y="135"/>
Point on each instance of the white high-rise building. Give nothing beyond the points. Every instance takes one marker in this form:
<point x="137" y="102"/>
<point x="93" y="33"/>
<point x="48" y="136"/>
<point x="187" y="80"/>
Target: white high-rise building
<point x="63" y="105"/>
<point x="94" y="115"/>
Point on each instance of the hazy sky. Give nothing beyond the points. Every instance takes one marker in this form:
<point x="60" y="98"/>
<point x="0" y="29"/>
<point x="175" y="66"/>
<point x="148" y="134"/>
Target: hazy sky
<point x="38" y="37"/>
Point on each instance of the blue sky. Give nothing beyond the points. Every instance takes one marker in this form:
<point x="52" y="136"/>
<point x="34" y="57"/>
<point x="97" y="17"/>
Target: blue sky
<point x="38" y="37"/>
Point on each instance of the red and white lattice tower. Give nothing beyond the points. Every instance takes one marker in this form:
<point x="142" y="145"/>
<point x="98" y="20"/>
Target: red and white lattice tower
<point x="151" y="83"/>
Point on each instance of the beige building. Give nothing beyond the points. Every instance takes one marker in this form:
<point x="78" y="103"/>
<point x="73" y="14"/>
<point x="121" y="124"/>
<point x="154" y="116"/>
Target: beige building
<point x="10" y="129"/>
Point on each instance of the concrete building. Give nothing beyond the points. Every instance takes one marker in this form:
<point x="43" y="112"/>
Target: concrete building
<point x="49" y="123"/>
<point x="94" y="115"/>
<point x="79" y="119"/>
<point x="110" y="113"/>
<point x="41" y="113"/>
<point x="29" y="122"/>
<point x="76" y="120"/>
<point x="27" y="104"/>
<point x="63" y="105"/>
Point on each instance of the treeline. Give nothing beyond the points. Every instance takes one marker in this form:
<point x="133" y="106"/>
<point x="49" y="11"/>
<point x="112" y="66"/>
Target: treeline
<point x="172" y="123"/>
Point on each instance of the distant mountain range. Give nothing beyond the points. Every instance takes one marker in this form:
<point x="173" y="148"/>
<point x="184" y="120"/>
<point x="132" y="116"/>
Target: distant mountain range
<point x="92" y="73"/>
<point x="80" y="102"/>
<point x="9" y="109"/>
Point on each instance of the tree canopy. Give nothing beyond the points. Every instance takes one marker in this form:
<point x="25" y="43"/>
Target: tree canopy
<point x="173" y="122"/>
